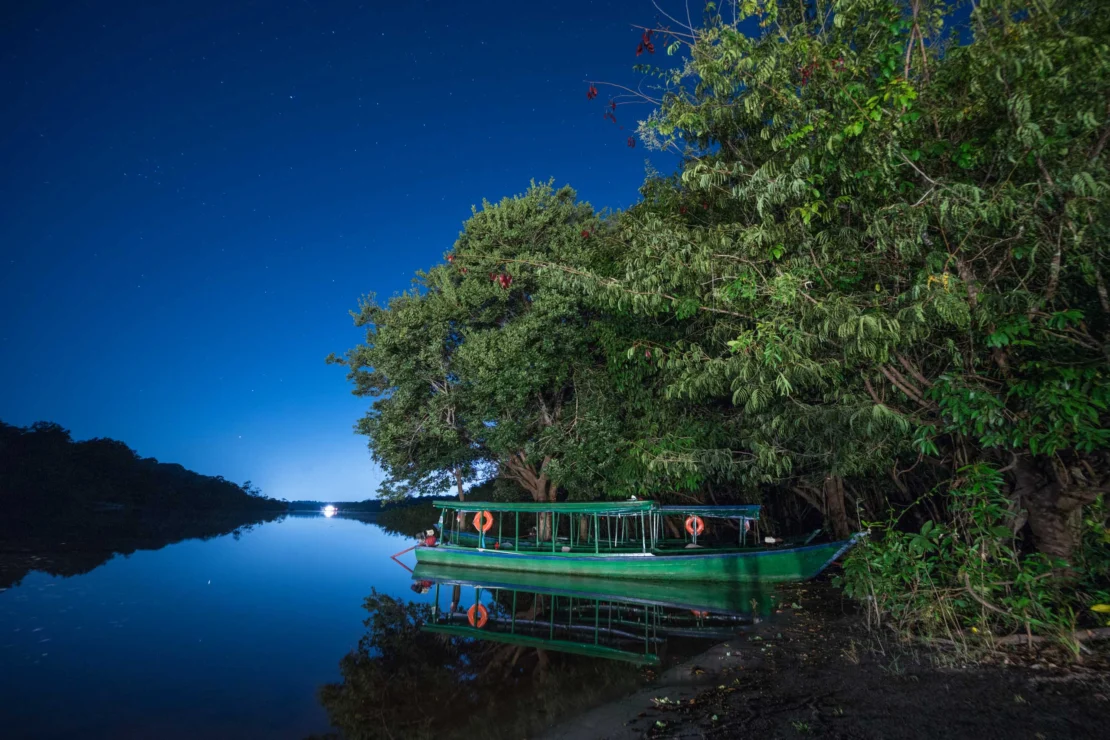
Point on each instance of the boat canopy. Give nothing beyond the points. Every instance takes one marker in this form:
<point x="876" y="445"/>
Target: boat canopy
<point x="603" y="508"/>
<point x="576" y="507"/>
<point x="722" y="512"/>
<point x="621" y="526"/>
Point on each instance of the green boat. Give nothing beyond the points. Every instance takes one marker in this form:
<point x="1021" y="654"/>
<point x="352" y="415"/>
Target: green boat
<point x="633" y="539"/>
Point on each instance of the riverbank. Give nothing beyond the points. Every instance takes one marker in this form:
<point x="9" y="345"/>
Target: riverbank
<point x="815" y="671"/>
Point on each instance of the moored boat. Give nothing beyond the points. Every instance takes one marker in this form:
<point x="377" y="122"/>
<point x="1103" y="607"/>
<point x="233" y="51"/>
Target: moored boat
<point x="634" y="539"/>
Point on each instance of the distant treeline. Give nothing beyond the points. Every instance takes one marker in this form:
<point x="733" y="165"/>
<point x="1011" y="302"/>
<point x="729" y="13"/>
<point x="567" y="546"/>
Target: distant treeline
<point x="367" y="507"/>
<point x="44" y="471"/>
<point x="370" y="506"/>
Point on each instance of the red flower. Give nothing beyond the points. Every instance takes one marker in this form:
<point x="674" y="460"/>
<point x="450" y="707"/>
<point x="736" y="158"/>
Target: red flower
<point x="631" y="143"/>
<point x="591" y="93"/>
<point x="462" y="270"/>
<point x="647" y="354"/>
<point x="640" y="48"/>
<point x="585" y="233"/>
<point x="682" y="209"/>
<point x="450" y="258"/>
<point x="612" y="105"/>
<point x="705" y="206"/>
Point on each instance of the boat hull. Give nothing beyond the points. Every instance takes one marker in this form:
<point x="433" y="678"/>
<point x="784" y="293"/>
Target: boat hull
<point x="759" y="566"/>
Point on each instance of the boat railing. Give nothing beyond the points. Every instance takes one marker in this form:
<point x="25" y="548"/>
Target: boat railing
<point x="600" y="527"/>
<point x="557" y="528"/>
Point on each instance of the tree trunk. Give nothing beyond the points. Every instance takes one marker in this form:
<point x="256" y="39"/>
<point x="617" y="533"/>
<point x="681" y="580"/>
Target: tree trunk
<point x="459" y="483"/>
<point x="542" y="491"/>
<point x="1051" y="507"/>
<point x="834" y="506"/>
<point x="536" y="482"/>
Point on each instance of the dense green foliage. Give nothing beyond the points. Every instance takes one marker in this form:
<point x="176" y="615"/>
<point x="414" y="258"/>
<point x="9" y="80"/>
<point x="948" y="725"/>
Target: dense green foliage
<point x="967" y="571"/>
<point x="44" y="472"/>
<point x="875" y="288"/>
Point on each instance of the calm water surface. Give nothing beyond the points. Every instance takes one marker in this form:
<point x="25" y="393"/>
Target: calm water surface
<point x="234" y="636"/>
<point x="219" y="638"/>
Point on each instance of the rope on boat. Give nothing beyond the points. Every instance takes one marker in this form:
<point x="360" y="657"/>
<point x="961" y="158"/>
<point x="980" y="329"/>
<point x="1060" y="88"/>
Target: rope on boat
<point x="395" y="555"/>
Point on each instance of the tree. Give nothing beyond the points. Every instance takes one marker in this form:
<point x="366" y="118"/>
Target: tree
<point x="487" y="361"/>
<point x="888" y="246"/>
<point x="417" y="423"/>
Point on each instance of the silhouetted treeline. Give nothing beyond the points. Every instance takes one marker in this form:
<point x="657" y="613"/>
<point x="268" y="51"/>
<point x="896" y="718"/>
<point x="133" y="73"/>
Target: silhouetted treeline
<point x="67" y="507"/>
<point x="43" y="471"/>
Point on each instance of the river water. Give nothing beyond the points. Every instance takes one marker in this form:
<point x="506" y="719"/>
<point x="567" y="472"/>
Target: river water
<point x="234" y="637"/>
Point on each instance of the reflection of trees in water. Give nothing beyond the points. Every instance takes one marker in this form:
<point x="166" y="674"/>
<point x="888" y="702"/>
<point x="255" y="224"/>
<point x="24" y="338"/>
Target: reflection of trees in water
<point x="67" y="507"/>
<point x="403" y="682"/>
<point x="73" y="546"/>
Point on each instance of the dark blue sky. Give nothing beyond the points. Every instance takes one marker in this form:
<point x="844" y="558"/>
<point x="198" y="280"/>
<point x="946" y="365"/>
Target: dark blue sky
<point x="194" y="195"/>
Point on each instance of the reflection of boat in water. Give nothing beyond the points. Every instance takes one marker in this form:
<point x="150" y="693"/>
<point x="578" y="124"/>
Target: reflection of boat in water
<point x="622" y="620"/>
<point x="632" y="539"/>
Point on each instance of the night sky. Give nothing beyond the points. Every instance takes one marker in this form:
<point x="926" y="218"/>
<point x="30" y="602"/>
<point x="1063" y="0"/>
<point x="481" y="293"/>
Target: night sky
<point x="194" y="195"/>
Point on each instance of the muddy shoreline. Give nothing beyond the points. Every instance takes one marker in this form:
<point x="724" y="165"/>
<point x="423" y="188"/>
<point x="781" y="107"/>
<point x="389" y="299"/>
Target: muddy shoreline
<point x="816" y="671"/>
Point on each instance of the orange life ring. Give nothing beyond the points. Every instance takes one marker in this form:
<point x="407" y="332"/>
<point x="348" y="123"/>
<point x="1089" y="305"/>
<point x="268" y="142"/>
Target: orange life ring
<point x="483" y="525"/>
<point x="701" y="615"/>
<point x="695" y="525"/>
<point x="481" y="619"/>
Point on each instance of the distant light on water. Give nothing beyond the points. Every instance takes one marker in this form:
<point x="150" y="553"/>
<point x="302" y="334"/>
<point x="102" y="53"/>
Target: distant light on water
<point x="330" y="510"/>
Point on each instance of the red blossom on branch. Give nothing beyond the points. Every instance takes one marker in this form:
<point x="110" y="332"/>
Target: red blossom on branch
<point x="585" y="233"/>
<point x="591" y="93"/>
<point x="631" y="143"/>
<point x="807" y="71"/>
